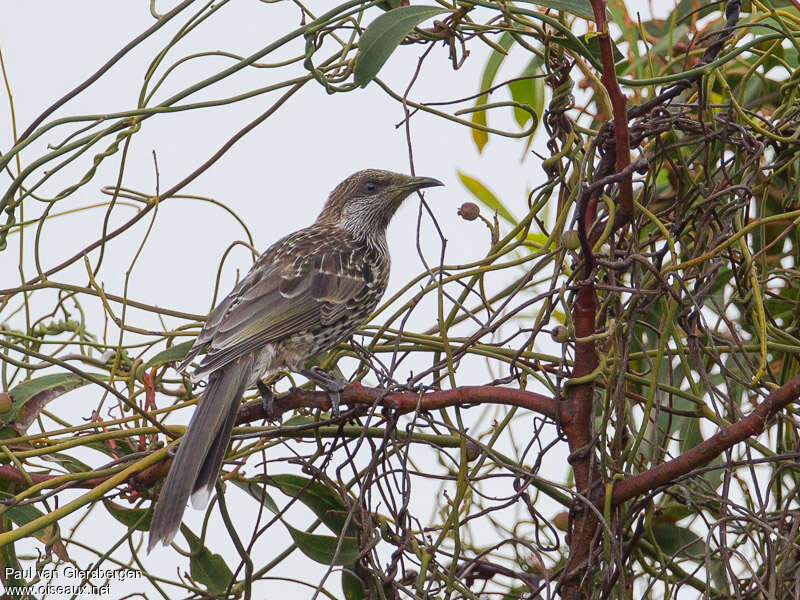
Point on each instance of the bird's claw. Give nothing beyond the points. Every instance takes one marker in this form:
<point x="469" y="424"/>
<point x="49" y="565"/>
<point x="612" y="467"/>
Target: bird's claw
<point x="334" y="398"/>
<point x="330" y="384"/>
<point x="267" y="400"/>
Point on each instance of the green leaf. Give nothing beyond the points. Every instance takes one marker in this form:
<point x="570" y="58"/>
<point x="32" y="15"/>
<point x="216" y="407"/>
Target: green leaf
<point x="696" y="9"/>
<point x="679" y="540"/>
<point x="8" y="558"/>
<point x="619" y="12"/>
<point x="589" y="47"/>
<point x="31" y="396"/>
<point x="207" y="568"/>
<point x="528" y="91"/>
<point x="352" y="586"/>
<point x="49" y="535"/>
<point x="137" y="518"/>
<point x="691" y="436"/>
<point x="68" y="462"/>
<point x="661" y="48"/>
<point x="384" y="34"/>
<point x="322" y="548"/>
<point x="496" y="58"/>
<point x="390" y="4"/>
<point x="482" y="193"/>
<point x="719" y="575"/>
<point x="582" y="8"/>
<point x="257" y="491"/>
<point x="673" y="512"/>
<point x="323" y="501"/>
<point x="172" y="354"/>
<point x="298" y="420"/>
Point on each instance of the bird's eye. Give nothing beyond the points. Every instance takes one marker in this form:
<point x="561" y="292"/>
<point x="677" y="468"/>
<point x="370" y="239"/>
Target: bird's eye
<point x="370" y="187"/>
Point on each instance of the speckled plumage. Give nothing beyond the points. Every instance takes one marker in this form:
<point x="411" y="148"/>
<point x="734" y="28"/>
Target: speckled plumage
<point x="305" y="294"/>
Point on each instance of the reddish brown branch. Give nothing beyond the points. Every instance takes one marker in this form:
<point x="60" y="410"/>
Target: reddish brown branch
<point x="141" y="480"/>
<point x="575" y="413"/>
<point x="576" y="409"/>
<point x="751" y="425"/>
<point x="354" y="395"/>
<point x="618" y="105"/>
<point x="405" y="402"/>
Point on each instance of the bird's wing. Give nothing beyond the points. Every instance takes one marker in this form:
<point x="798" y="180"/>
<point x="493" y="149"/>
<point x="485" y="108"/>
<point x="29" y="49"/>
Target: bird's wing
<point x="284" y="294"/>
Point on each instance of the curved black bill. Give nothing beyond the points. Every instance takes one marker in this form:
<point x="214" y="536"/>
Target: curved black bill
<point x="424" y="182"/>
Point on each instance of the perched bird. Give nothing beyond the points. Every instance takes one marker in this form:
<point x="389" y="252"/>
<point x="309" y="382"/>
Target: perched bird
<point x="305" y="294"/>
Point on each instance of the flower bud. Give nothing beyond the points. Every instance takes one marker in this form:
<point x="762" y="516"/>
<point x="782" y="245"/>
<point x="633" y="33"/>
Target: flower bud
<point x="560" y="334"/>
<point x="561" y="521"/>
<point x="469" y="211"/>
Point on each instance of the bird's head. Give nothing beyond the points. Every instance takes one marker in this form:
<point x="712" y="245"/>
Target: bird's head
<point x="365" y="202"/>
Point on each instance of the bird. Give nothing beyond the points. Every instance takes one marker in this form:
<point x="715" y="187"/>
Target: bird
<point x="305" y="294"/>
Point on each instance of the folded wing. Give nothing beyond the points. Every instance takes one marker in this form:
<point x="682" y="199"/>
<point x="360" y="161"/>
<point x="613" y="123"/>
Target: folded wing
<point x="278" y="299"/>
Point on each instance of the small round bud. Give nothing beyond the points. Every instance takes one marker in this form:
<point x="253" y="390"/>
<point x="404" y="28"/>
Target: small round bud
<point x="561" y="521"/>
<point x="560" y="334"/>
<point x="469" y="211"/>
<point x="6" y="403"/>
<point x="571" y="240"/>
<point x="473" y="451"/>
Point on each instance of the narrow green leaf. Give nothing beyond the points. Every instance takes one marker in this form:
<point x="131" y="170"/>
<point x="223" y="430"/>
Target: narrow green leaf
<point x="391" y="4"/>
<point x="528" y="91"/>
<point x="719" y="575"/>
<point x="619" y="12"/>
<point x="298" y="420"/>
<point x="207" y="568"/>
<point x="589" y="47"/>
<point x="691" y="436"/>
<point x="257" y="492"/>
<point x="537" y="238"/>
<point x="692" y="8"/>
<point x="322" y="548"/>
<point x="661" y="48"/>
<point x="384" y="34"/>
<point x="171" y="354"/>
<point x="323" y="501"/>
<point x="496" y="58"/>
<point x="138" y="518"/>
<point x="11" y="565"/>
<point x="70" y="463"/>
<point x="582" y="8"/>
<point x="49" y="535"/>
<point x="31" y="396"/>
<point x="482" y="193"/>
<point x="352" y="586"/>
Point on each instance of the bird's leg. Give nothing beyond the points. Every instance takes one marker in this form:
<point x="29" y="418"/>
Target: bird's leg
<point x="267" y="399"/>
<point x="330" y="384"/>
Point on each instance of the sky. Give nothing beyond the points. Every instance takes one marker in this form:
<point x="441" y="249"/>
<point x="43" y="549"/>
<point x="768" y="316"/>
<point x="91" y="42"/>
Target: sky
<point x="276" y="178"/>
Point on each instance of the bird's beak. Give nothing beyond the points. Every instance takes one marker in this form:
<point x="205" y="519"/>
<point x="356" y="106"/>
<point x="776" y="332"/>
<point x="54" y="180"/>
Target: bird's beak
<point x="417" y="183"/>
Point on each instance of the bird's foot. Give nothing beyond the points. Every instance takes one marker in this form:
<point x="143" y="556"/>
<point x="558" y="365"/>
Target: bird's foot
<point x="330" y="384"/>
<point x="268" y="400"/>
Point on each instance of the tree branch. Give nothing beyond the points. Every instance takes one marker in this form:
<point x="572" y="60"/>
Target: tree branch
<point x="405" y="402"/>
<point x="751" y="425"/>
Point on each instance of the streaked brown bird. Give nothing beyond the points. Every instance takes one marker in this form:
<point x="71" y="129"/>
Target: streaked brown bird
<point x="305" y="294"/>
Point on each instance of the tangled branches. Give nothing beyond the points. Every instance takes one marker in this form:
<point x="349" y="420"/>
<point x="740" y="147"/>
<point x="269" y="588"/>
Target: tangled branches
<point x="597" y="403"/>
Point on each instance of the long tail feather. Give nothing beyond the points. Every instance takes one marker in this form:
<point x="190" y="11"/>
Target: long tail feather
<point x="207" y="477"/>
<point x="202" y="448"/>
